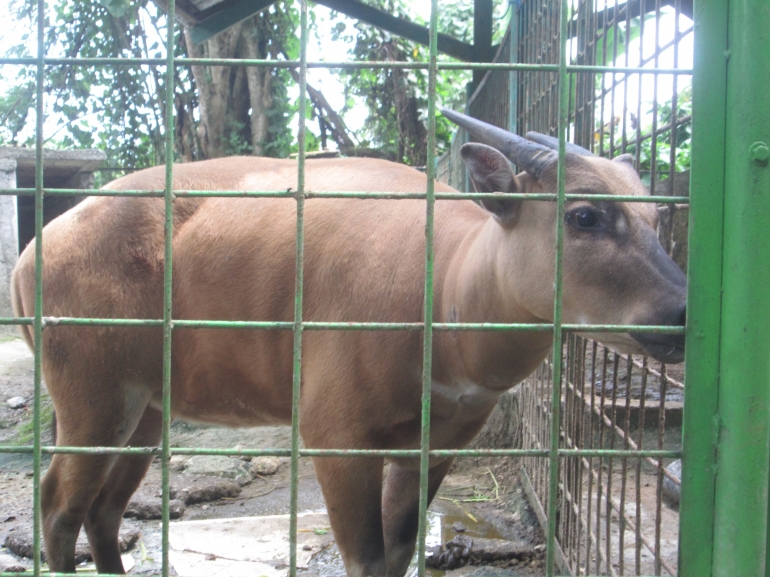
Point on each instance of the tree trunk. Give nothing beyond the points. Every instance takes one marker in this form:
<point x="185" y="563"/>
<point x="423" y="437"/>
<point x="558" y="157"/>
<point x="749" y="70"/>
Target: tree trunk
<point x="260" y="92"/>
<point x="215" y="89"/>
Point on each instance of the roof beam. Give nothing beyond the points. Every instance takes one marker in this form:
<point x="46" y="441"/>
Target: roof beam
<point x="229" y="16"/>
<point x="400" y="27"/>
<point x="186" y="13"/>
<point x="631" y="9"/>
<point x="241" y="10"/>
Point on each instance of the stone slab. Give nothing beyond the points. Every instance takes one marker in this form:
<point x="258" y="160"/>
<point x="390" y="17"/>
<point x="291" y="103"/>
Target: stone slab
<point x="60" y="165"/>
<point x="198" y="565"/>
<point x="220" y="546"/>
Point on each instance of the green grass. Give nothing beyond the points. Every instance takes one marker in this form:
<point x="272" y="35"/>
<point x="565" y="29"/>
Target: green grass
<point x="25" y="432"/>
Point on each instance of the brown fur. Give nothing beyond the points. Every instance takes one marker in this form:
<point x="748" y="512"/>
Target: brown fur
<point x="234" y="259"/>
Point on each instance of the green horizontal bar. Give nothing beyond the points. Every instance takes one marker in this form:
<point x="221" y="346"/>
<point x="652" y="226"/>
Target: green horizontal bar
<point x="96" y="322"/>
<point x="554" y="68"/>
<point x="264" y="325"/>
<point x="658" y="329"/>
<point x="325" y="326"/>
<point x="51" y="450"/>
<point x="619" y="453"/>
<point x="493" y="196"/>
<point x="345" y="65"/>
<point x="629" y="198"/>
<point x="349" y="194"/>
<point x="80" y="192"/>
<point x="26" y="321"/>
<point x="344" y="326"/>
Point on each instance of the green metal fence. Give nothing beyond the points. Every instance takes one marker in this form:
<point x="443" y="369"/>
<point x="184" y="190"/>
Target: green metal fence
<point x="608" y="401"/>
<point x="727" y="429"/>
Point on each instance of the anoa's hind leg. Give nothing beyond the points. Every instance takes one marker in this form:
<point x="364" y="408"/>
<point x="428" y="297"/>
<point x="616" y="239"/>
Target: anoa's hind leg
<point x="103" y="519"/>
<point x="73" y="481"/>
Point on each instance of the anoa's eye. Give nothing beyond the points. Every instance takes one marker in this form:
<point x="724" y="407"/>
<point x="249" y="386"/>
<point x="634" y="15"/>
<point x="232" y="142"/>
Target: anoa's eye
<point x="584" y="218"/>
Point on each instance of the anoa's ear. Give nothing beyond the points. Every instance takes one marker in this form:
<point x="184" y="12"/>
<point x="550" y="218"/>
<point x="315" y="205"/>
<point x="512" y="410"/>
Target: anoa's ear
<point x="629" y="160"/>
<point x="626" y="158"/>
<point x="490" y="172"/>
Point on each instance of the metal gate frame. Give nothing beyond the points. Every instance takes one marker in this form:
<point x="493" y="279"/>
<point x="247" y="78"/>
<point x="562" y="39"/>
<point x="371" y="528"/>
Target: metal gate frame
<point x="724" y="510"/>
<point x="724" y="513"/>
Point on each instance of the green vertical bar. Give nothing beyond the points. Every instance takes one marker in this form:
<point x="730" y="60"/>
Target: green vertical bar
<point x="298" y="288"/>
<point x="553" y="457"/>
<point x="38" y="322"/>
<point x="168" y="326"/>
<point x="707" y="189"/>
<point x="427" y="351"/>
<point x="743" y="455"/>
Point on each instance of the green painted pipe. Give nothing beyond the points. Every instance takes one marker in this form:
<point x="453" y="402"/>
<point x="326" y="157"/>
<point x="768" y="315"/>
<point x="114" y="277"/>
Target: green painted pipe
<point x="743" y="452"/>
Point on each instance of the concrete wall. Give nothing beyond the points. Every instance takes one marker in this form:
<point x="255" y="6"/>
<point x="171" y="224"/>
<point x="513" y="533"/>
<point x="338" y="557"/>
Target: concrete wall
<point x="61" y="169"/>
<point x="9" y="243"/>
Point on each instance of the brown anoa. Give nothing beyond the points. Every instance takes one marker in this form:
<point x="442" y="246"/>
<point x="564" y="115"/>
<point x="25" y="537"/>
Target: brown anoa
<point x="234" y="259"/>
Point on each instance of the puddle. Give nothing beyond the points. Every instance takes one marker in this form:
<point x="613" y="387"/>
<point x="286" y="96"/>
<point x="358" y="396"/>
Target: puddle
<point x="329" y="562"/>
<point x="440" y="528"/>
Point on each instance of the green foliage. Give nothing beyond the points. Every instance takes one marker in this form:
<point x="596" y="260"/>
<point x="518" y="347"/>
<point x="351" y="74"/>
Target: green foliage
<point x="281" y="141"/>
<point x="397" y="100"/>
<point x="235" y="144"/>
<point x="15" y="108"/>
<point x="115" y="108"/>
<point x="120" y="109"/>
<point x="115" y="7"/>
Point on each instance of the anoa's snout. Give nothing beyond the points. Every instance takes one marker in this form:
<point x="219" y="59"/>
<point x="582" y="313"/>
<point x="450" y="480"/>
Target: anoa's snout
<point x="671" y="310"/>
<point x="665" y="348"/>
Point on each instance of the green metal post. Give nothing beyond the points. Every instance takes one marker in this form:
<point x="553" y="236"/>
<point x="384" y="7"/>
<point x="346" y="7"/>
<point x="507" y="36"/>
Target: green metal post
<point x="298" y="292"/>
<point x="704" y="314"/>
<point x="743" y="454"/>
<point x="38" y="321"/>
<point x="427" y="351"/>
<point x="553" y="459"/>
<point x="168" y="325"/>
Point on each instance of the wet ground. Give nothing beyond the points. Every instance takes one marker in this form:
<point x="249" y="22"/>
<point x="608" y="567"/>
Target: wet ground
<point x="486" y="500"/>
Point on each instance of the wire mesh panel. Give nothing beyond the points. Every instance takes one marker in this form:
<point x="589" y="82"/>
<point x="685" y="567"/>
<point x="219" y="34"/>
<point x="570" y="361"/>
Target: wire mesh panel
<point x="491" y="101"/>
<point x="613" y="516"/>
<point x="539" y="43"/>
<point x="613" y="519"/>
